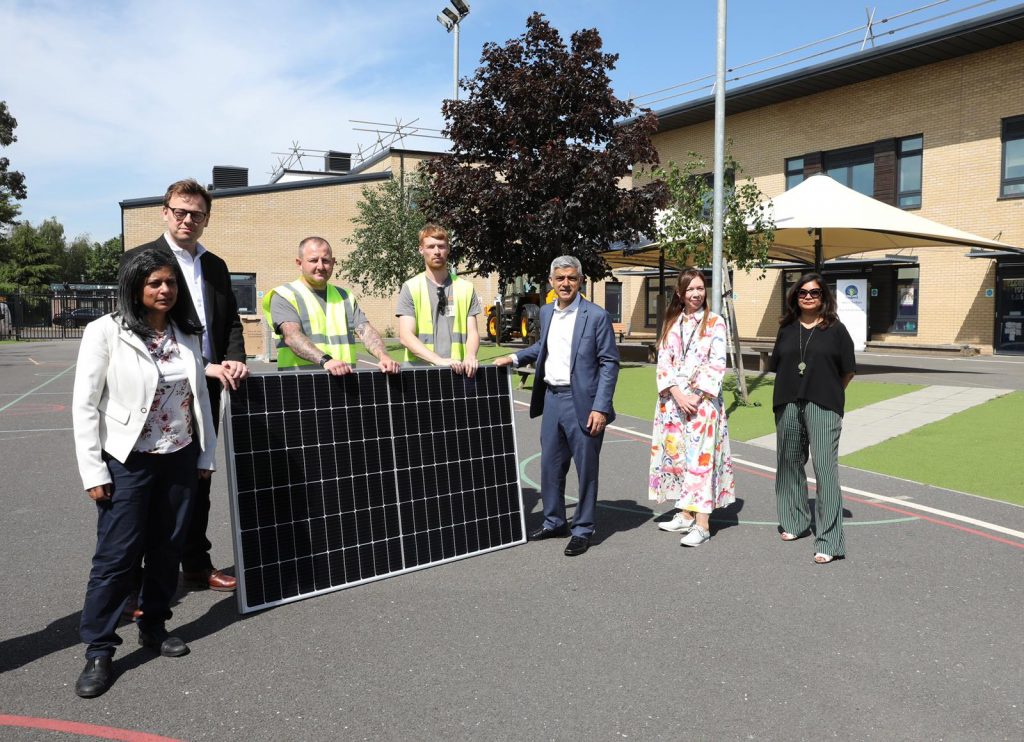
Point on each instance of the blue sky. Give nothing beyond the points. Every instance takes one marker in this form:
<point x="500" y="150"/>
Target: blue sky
<point x="115" y="100"/>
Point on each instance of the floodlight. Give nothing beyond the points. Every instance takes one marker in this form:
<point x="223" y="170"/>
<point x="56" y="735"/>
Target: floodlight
<point x="460" y="6"/>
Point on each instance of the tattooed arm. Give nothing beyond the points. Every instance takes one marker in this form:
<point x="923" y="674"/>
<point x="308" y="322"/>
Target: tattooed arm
<point x="375" y="346"/>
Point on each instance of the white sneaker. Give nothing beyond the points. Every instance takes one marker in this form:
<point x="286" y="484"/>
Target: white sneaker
<point x="695" y="537"/>
<point x="678" y="524"/>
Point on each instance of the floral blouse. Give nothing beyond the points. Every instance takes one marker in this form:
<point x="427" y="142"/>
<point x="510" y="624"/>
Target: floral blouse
<point x="168" y="427"/>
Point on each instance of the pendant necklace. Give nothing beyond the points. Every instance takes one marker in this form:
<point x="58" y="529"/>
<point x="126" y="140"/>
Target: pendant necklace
<point x="801" y="367"/>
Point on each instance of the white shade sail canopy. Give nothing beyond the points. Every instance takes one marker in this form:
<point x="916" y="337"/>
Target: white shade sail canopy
<point x="821" y="219"/>
<point x="848" y="222"/>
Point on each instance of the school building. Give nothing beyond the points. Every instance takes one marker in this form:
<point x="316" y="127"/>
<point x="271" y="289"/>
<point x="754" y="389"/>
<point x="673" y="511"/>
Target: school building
<point x="934" y="124"/>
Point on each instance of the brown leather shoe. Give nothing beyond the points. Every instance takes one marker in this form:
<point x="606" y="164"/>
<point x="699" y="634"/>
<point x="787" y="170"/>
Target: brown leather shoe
<point x="211" y="578"/>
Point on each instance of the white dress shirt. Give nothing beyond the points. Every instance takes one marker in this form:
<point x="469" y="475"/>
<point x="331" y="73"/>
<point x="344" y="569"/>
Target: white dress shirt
<point x="192" y="268"/>
<point x="558" y="361"/>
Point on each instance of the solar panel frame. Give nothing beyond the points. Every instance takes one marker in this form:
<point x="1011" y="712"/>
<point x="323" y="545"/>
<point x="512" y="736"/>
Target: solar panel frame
<point x="307" y="481"/>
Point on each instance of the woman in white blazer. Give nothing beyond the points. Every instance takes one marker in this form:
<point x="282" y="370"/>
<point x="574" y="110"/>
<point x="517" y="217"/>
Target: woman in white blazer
<point x="143" y="437"/>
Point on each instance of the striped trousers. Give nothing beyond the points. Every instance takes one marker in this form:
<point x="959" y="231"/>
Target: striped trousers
<point x="800" y="425"/>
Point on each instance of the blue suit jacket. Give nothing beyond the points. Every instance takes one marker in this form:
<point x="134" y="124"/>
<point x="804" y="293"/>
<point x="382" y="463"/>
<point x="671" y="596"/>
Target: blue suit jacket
<point x="594" y="362"/>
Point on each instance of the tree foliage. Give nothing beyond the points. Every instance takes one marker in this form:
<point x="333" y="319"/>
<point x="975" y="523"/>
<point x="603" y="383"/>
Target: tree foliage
<point x="34" y="256"/>
<point x="103" y="261"/>
<point x="386" y="236"/>
<point x="12" y="182"/>
<point x="685" y="228"/>
<point x="539" y="148"/>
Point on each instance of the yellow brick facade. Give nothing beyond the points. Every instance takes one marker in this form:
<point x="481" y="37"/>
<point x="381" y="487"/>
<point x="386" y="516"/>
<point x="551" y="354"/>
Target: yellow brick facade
<point x="259" y="232"/>
<point x="957" y="105"/>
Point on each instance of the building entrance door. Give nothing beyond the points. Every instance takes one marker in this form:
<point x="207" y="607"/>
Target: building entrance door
<point x="1010" y="309"/>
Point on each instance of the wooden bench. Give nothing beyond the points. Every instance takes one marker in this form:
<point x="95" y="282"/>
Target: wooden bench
<point x="760" y="345"/>
<point x="619" y="328"/>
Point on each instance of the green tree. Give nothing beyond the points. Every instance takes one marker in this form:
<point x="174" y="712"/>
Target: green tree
<point x="540" y="146"/>
<point x="12" y="182"/>
<point x="103" y="262"/>
<point x="386" y="236"/>
<point x="76" y="258"/>
<point x="35" y="256"/>
<point x="685" y="227"/>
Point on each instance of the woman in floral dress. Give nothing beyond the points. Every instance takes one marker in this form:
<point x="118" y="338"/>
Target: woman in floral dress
<point x="690" y="458"/>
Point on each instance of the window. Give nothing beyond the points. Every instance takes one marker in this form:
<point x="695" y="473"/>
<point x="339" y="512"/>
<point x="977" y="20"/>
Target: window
<point x="244" y="287"/>
<point x="854" y="168"/>
<point x="651" y="297"/>
<point x="613" y="300"/>
<point x="794" y="171"/>
<point x="909" y="153"/>
<point x="1013" y="158"/>
<point x="905" y="322"/>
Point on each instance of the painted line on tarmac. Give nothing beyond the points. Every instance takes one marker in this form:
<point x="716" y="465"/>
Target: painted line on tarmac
<point x="878" y="501"/>
<point x="33" y="360"/>
<point x="38" y="430"/>
<point x="32" y="391"/>
<point x="650" y="511"/>
<point x="81" y="729"/>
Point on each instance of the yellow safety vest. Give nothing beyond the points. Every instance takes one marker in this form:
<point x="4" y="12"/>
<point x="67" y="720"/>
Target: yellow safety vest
<point x="329" y="332"/>
<point x="462" y="294"/>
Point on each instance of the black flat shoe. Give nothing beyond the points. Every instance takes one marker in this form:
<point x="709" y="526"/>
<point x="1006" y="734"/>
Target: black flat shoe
<point x="97" y="676"/>
<point x="158" y="639"/>
<point x="542" y="533"/>
<point x="577" y="545"/>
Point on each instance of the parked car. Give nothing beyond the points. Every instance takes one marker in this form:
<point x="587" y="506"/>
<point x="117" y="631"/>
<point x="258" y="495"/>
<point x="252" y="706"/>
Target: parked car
<point x="6" y="321"/>
<point x="78" y="317"/>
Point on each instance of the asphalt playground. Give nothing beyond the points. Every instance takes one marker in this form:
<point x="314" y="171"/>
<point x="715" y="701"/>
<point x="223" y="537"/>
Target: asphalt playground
<point x="916" y="635"/>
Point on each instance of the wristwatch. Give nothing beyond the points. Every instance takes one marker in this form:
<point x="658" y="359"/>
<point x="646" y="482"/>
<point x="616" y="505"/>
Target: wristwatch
<point x="324" y="359"/>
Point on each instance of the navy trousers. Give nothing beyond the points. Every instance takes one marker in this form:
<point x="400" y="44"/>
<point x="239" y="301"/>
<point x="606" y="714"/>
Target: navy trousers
<point x="561" y="440"/>
<point x="146" y="517"/>
<point x="195" y="553"/>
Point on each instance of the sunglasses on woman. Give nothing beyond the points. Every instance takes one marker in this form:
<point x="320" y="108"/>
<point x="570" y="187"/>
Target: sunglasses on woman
<point x="812" y="293"/>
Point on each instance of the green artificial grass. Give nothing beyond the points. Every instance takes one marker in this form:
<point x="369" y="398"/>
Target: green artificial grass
<point x="634" y="395"/>
<point x="978" y="450"/>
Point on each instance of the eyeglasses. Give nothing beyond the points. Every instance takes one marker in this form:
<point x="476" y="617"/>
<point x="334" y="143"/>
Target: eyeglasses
<point x="180" y="214"/>
<point x="812" y="293"/>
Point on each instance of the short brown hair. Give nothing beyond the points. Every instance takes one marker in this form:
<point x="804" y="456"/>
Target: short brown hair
<point x="433" y="230"/>
<point x="188" y="187"/>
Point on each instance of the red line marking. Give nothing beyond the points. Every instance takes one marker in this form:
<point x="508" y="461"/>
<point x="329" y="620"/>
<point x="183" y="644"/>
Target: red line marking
<point x="79" y="728"/>
<point x="872" y="503"/>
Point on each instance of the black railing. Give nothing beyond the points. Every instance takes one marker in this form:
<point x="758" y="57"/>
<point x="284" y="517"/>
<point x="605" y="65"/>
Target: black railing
<point x="52" y="315"/>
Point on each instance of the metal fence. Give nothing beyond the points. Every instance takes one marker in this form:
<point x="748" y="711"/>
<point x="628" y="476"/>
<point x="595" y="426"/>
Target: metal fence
<point x="52" y="315"/>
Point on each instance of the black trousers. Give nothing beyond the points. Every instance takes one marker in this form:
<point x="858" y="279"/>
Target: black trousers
<point x="145" y="517"/>
<point x="195" y="556"/>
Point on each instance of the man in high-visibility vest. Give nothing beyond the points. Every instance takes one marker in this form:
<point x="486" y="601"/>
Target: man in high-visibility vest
<point x="437" y="311"/>
<point x="316" y="323"/>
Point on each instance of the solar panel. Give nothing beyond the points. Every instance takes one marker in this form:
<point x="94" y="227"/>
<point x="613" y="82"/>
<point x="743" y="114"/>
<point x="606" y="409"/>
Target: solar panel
<point x="340" y="480"/>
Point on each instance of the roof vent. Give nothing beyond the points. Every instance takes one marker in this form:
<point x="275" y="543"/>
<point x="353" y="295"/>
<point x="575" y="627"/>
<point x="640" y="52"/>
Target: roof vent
<point x="338" y="162"/>
<point x="225" y="176"/>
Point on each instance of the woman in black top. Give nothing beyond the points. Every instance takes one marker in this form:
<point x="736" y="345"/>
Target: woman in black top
<point x="813" y="362"/>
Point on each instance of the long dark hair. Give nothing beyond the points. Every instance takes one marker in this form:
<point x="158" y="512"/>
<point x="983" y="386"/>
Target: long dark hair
<point x="130" y="280"/>
<point x="826" y="315"/>
<point x="675" y="307"/>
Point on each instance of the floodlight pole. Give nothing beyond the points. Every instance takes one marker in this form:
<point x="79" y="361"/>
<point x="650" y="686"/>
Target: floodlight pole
<point x="716" y="244"/>
<point x="451" y="20"/>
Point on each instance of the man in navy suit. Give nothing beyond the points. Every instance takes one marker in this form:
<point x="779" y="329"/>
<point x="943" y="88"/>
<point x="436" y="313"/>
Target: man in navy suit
<point x="577" y="366"/>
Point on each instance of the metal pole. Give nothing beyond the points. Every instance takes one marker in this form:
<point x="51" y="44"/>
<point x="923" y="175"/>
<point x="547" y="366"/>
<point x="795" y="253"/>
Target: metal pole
<point x="716" y="264"/>
<point x="456" y="66"/>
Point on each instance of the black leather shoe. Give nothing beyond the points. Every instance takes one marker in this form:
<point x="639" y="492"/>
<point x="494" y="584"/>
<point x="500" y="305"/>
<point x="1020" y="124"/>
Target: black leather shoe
<point x="542" y="533"/>
<point x="157" y="638"/>
<point x="577" y="545"/>
<point x="97" y="676"/>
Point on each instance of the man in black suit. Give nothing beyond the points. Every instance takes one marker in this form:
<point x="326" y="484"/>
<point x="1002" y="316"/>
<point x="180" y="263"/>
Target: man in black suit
<point x="186" y="211"/>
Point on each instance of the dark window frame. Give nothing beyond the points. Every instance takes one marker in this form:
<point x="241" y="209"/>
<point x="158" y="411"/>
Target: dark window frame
<point x="901" y="155"/>
<point x="794" y="168"/>
<point x="245" y="282"/>
<point x="848" y="158"/>
<point x="1011" y="130"/>
<point x="899" y="285"/>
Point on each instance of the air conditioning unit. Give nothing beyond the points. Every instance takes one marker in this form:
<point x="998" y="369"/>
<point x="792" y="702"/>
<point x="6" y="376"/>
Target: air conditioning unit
<point x="338" y="162"/>
<point x="226" y="176"/>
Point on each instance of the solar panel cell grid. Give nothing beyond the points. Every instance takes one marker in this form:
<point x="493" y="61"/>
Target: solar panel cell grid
<point x="340" y="480"/>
